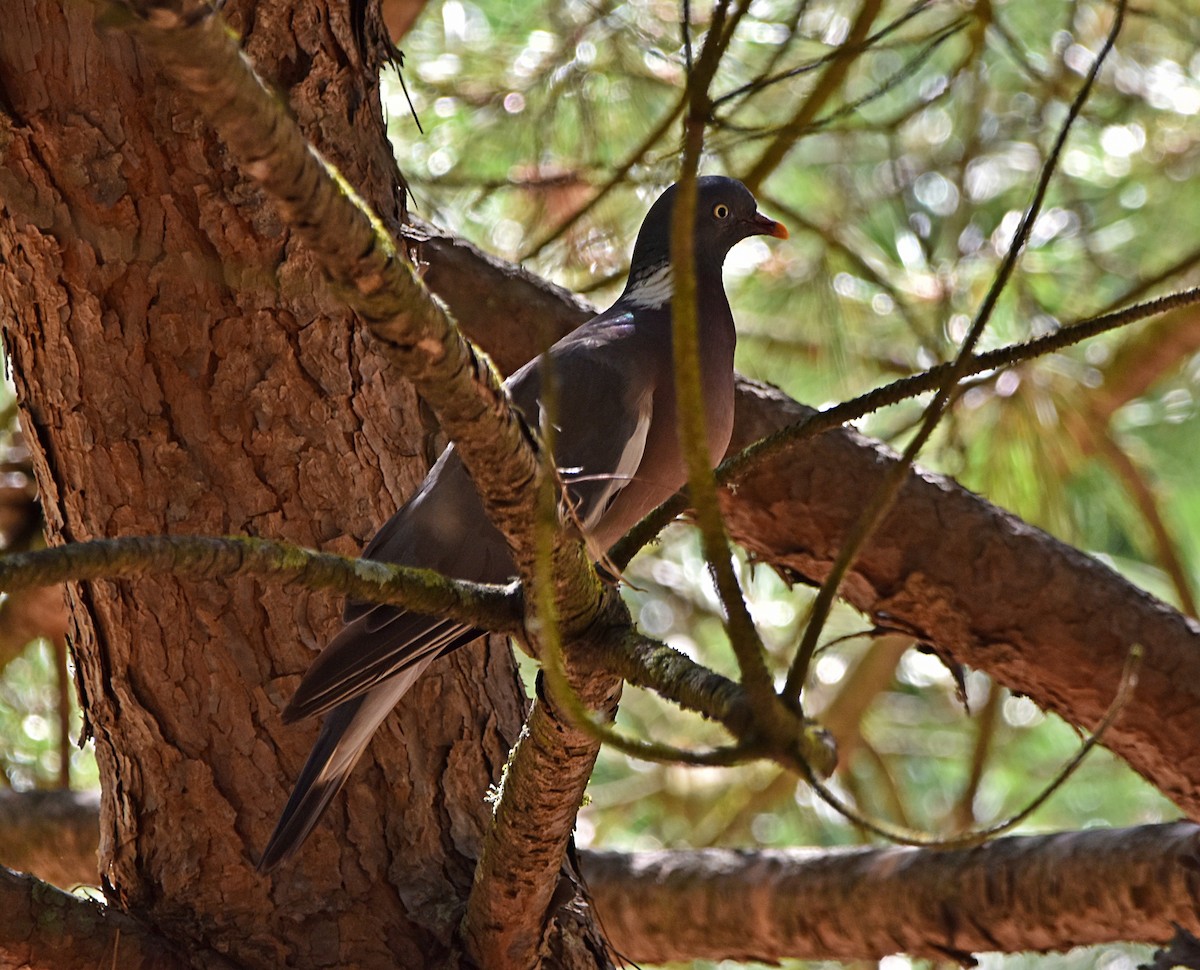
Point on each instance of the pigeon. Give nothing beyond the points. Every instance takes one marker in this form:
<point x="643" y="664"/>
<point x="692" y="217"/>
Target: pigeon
<point x="618" y="451"/>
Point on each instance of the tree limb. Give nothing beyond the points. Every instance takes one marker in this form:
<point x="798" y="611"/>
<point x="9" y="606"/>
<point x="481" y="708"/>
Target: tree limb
<point x="981" y="585"/>
<point x="1040" y="892"/>
<point x="1016" y="893"/>
<point x="1028" y="610"/>
<point x="47" y="929"/>
<point x="491" y="608"/>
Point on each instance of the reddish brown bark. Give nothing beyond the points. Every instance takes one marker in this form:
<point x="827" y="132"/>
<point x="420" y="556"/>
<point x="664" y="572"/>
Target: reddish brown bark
<point x="181" y="370"/>
<point x="1000" y="595"/>
<point x="1020" y="893"/>
<point x="997" y="594"/>
<point x="1041" y="892"/>
<point x="267" y="414"/>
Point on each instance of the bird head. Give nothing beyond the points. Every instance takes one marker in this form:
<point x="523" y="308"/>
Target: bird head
<point x="726" y="213"/>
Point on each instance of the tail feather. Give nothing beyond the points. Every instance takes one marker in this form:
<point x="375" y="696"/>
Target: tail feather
<point x="369" y="651"/>
<point x="344" y="736"/>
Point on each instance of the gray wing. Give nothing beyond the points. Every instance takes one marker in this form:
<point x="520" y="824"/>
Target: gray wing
<point x="606" y="383"/>
<point x="381" y="651"/>
<point x="344" y="736"/>
<point x="443" y="527"/>
<point x="605" y="413"/>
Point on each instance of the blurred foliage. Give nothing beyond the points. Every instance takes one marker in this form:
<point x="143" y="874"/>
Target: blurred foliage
<point x="32" y="742"/>
<point x="30" y="749"/>
<point x="902" y="165"/>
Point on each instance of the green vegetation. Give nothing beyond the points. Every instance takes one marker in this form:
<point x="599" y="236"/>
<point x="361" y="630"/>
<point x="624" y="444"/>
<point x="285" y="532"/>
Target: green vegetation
<point x="902" y="183"/>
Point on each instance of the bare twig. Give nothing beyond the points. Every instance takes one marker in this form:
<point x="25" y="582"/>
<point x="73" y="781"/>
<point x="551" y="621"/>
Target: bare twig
<point x="885" y="496"/>
<point x="210" y="557"/>
<point x="819" y="422"/>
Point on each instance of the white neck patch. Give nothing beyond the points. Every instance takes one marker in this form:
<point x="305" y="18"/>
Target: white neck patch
<point x="652" y="291"/>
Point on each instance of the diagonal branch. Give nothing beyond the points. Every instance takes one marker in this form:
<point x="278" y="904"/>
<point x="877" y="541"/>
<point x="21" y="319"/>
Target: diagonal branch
<point x="361" y="261"/>
<point x="1028" y="610"/>
<point x="523" y="849"/>
<point x="978" y="583"/>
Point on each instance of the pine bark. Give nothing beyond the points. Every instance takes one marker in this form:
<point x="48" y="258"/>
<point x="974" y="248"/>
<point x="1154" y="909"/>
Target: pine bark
<point x="1033" y="892"/>
<point x="181" y="369"/>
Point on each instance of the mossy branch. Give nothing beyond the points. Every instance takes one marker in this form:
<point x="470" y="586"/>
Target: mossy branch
<point x="495" y="608"/>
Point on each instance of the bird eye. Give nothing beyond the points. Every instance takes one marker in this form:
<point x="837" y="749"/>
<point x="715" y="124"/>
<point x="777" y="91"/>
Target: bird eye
<point x="720" y="210"/>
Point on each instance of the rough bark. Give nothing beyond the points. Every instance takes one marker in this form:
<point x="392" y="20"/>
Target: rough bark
<point x="1036" y="614"/>
<point x="1021" y="893"/>
<point x="45" y="929"/>
<point x="121" y="218"/>
<point x="181" y="370"/>
<point x="974" y="580"/>
<point x="1043" y="892"/>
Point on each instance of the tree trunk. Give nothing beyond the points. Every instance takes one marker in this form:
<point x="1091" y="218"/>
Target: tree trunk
<point x="181" y="369"/>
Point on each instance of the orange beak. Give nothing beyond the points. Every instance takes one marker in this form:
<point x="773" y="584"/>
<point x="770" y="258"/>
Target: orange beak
<point x="768" y="227"/>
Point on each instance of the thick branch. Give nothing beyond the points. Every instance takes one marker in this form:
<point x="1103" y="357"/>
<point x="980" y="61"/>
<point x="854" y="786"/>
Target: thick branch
<point x="519" y="869"/>
<point x="1017" y="893"/>
<point x="1020" y="893"/>
<point x="1002" y="596"/>
<point x="977" y="582"/>
<point x="47" y="929"/>
<point x="475" y="285"/>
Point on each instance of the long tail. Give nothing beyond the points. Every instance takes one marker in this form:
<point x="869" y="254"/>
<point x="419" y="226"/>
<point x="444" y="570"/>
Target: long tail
<point x="344" y="737"/>
<point x="370" y="650"/>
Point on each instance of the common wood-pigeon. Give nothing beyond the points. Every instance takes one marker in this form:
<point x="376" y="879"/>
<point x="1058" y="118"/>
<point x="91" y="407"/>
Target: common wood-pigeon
<point x="617" y="444"/>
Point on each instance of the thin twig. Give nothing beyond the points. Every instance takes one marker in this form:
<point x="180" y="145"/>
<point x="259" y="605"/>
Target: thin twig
<point x="884" y="497"/>
<point x="1125" y="688"/>
<point x="493" y="608"/>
